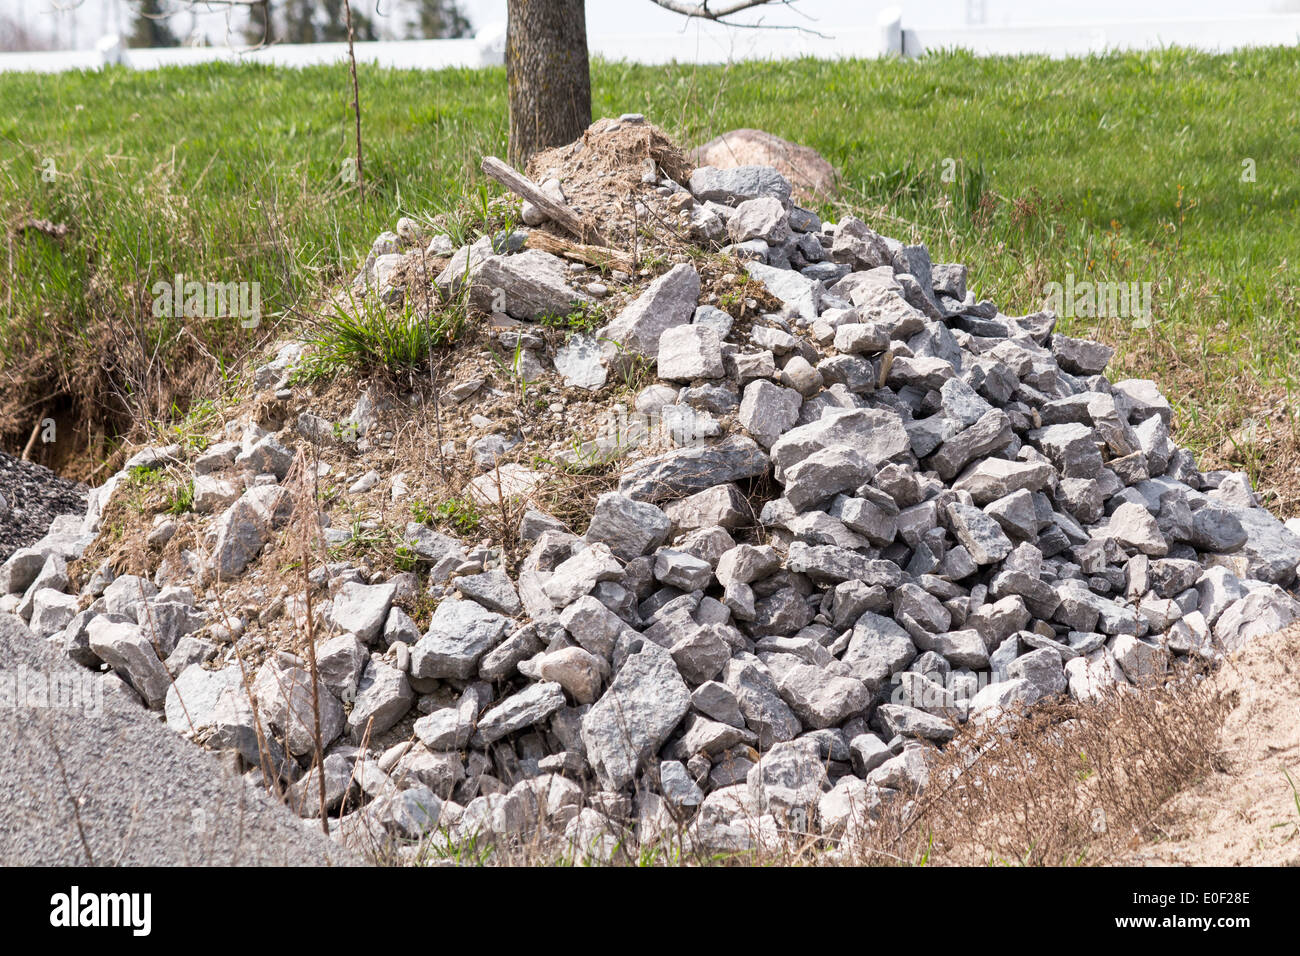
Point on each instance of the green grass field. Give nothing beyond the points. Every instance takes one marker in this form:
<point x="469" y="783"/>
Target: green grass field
<point x="1123" y="168"/>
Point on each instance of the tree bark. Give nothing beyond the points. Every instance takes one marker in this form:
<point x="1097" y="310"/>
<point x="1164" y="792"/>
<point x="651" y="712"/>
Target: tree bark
<point x="547" y="75"/>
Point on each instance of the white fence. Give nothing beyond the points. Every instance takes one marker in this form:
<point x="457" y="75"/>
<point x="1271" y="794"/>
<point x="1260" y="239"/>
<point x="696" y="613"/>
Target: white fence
<point x="715" y="44"/>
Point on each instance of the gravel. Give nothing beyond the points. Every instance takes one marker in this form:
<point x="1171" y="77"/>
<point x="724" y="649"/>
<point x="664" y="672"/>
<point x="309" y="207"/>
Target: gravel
<point x="117" y="787"/>
<point x="33" y="496"/>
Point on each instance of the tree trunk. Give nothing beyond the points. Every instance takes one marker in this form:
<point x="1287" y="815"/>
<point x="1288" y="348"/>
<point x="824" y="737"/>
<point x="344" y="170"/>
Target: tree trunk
<point x="547" y="75"/>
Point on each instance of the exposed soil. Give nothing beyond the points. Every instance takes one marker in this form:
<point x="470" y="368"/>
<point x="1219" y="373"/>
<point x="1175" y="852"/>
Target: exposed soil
<point x="1247" y="814"/>
<point x="601" y="175"/>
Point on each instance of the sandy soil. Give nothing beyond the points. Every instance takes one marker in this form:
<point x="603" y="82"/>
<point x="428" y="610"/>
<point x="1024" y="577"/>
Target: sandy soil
<point x="1232" y="818"/>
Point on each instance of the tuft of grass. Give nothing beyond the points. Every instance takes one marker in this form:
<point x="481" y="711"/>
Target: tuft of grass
<point x="182" y="499"/>
<point x="366" y="336"/>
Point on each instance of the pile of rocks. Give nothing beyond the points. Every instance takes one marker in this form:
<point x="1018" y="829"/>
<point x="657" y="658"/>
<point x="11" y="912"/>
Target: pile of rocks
<point x="970" y="518"/>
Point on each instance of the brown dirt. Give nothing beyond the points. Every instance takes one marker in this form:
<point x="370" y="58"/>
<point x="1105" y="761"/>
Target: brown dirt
<point x="1247" y="814"/>
<point x="601" y="178"/>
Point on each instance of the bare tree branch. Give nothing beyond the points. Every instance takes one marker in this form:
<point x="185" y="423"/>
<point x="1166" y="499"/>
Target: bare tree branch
<point x="705" y="10"/>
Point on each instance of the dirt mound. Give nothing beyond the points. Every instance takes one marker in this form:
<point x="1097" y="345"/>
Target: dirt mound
<point x="1246" y="815"/>
<point x="613" y="167"/>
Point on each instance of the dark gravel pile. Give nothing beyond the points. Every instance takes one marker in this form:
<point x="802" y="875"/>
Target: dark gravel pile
<point x="33" y="497"/>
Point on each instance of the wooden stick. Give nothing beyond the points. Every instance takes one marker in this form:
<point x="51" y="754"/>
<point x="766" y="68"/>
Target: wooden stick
<point x="31" y="442"/>
<point x="600" y="256"/>
<point x="558" y="212"/>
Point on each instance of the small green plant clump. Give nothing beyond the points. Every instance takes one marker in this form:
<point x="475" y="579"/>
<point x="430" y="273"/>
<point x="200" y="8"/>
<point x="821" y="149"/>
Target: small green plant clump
<point x="585" y="318"/>
<point x="455" y="513"/>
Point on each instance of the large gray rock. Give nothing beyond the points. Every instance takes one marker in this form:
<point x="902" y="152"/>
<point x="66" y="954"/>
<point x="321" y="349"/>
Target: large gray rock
<point x="128" y="650"/>
<point x="384" y="695"/>
<point x="191" y="701"/>
<point x="991" y="432"/>
<point x="878" y="649"/>
<point x="285" y="700"/>
<point x="688" y="470"/>
<point x="460" y="632"/>
<point x="819" y="698"/>
<point x="575" y="669"/>
<point x="630" y="528"/>
<point x="875" y="434"/>
<point x="531" y="705"/>
<point x="1271" y="552"/>
<point x="980" y="534"/>
<point x="577" y="575"/>
<point x="1133" y="526"/>
<point x="668" y="301"/>
<point x="910" y="722"/>
<point x="789" y="777"/>
<point x="797" y="291"/>
<point x="644" y="703"/>
<point x="242" y="531"/>
<point x="765" y="710"/>
<point x="52" y="611"/>
<point x="362" y="608"/>
<point x="762" y="218"/>
<point x="493" y="589"/>
<point x="768" y="410"/>
<point x="528" y="284"/>
<point x="594" y="626"/>
<point x="738" y="184"/>
<point x="995" y="478"/>
<point x="688" y="352"/>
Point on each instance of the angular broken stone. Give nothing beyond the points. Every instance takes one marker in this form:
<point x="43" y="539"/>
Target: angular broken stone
<point x="129" y="651"/>
<point x="383" y="697"/>
<point x="822" y="699"/>
<point x="460" y="632"/>
<point x="692" y="469"/>
<point x="630" y="528"/>
<point x="765" y="712"/>
<point x="668" y="301"/>
<point x="910" y="722"/>
<point x="1133" y="526"/>
<point x="688" y="352"/>
<point x="1081" y="356"/>
<point x="362" y="609"/>
<point x="643" y="704"/>
<point x="981" y="536"/>
<point x="877" y="435"/>
<point x="768" y="411"/>
<point x="738" y="184"/>
<point x="531" y="705"/>
<point x="824" y="474"/>
<point x="797" y="292"/>
<point x="285" y="700"/>
<point x="530" y="283"/>
<point x="492" y="589"/>
<point x="990" y="433"/>
<point x="762" y="218"/>
<point x="577" y="575"/>
<point x="579" y="362"/>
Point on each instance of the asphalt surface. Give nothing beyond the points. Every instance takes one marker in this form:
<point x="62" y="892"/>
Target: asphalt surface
<point x="34" y="496"/>
<point x="109" y="784"/>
